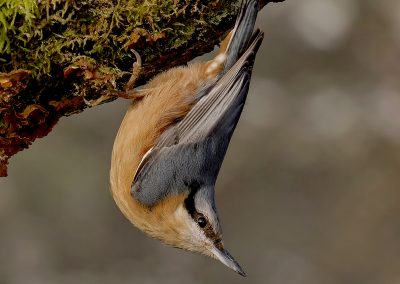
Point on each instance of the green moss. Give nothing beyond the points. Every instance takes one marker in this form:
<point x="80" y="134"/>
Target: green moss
<point x="12" y="11"/>
<point x="47" y="34"/>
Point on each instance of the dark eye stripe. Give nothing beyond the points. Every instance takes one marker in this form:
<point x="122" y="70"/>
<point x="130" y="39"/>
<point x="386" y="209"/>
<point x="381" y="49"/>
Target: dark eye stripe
<point x="194" y="186"/>
<point x="218" y="243"/>
<point x="208" y="230"/>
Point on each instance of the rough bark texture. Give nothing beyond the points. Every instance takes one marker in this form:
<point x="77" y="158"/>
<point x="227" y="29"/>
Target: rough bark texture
<point x="62" y="56"/>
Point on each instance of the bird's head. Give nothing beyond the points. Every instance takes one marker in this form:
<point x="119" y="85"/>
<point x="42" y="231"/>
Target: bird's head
<point x="192" y="224"/>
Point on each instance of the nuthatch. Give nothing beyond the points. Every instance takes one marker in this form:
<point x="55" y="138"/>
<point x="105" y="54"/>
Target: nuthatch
<point x="173" y="139"/>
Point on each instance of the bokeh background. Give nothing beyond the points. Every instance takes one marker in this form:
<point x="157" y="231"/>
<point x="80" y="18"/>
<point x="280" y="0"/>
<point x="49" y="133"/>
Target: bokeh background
<point x="309" y="191"/>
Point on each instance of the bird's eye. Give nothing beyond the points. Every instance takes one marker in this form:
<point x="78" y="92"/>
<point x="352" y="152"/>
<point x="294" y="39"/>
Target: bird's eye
<point x="202" y="222"/>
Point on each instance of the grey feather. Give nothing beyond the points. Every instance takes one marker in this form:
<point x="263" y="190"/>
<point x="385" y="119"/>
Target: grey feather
<point x="193" y="149"/>
<point x="243" y="30"/>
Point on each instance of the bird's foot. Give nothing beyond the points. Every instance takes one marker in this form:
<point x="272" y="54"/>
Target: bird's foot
<point x="129" y="92"/>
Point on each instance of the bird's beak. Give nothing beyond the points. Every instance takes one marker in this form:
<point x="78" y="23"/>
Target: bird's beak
<point x="225" y="257"/>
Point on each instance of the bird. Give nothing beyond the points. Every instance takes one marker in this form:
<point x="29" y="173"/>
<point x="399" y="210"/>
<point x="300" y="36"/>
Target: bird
<point x="173" y="139"/>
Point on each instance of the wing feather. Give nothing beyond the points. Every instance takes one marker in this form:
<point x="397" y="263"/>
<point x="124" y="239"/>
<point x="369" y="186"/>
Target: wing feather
<point x="196" y="145"/>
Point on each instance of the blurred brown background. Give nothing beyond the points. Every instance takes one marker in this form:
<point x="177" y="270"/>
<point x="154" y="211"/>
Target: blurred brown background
<point x="309" y="191"/>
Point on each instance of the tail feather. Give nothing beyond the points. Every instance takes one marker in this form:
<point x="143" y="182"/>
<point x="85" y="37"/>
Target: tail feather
<point x="242" y="32"/>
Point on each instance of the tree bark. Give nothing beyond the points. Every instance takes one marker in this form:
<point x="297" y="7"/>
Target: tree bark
<point x="59" y="57"/>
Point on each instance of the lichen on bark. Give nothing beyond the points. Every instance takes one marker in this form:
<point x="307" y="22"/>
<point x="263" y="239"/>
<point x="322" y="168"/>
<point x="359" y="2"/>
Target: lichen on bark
<point x="58" y="57"/>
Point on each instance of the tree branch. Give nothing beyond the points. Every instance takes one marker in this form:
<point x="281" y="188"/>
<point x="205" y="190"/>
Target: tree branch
<point x="59" y="57"/>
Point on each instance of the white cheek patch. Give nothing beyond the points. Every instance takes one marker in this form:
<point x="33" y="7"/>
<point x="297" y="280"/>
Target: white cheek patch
<point x="218" y="60"/>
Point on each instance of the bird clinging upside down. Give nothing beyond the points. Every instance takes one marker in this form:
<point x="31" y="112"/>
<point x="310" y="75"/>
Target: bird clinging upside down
<point x="173" y="139"/>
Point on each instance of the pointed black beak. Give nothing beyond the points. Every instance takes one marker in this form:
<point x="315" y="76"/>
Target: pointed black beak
<point x="226" y="258"/>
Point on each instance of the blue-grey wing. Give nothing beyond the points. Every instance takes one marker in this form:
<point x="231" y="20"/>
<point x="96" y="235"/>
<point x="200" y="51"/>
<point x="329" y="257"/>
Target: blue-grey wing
<point x="194" y="148"/>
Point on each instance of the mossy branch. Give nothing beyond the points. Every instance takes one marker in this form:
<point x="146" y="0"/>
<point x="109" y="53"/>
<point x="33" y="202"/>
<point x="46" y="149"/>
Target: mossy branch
<point x="58" y="57"/>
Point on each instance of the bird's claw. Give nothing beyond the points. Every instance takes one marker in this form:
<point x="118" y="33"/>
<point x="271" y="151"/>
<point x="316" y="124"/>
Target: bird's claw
<point x="129" y="92"/>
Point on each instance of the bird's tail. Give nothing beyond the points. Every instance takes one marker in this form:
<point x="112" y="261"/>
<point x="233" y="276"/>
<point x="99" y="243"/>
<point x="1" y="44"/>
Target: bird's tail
<point x="242" y="33"/>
